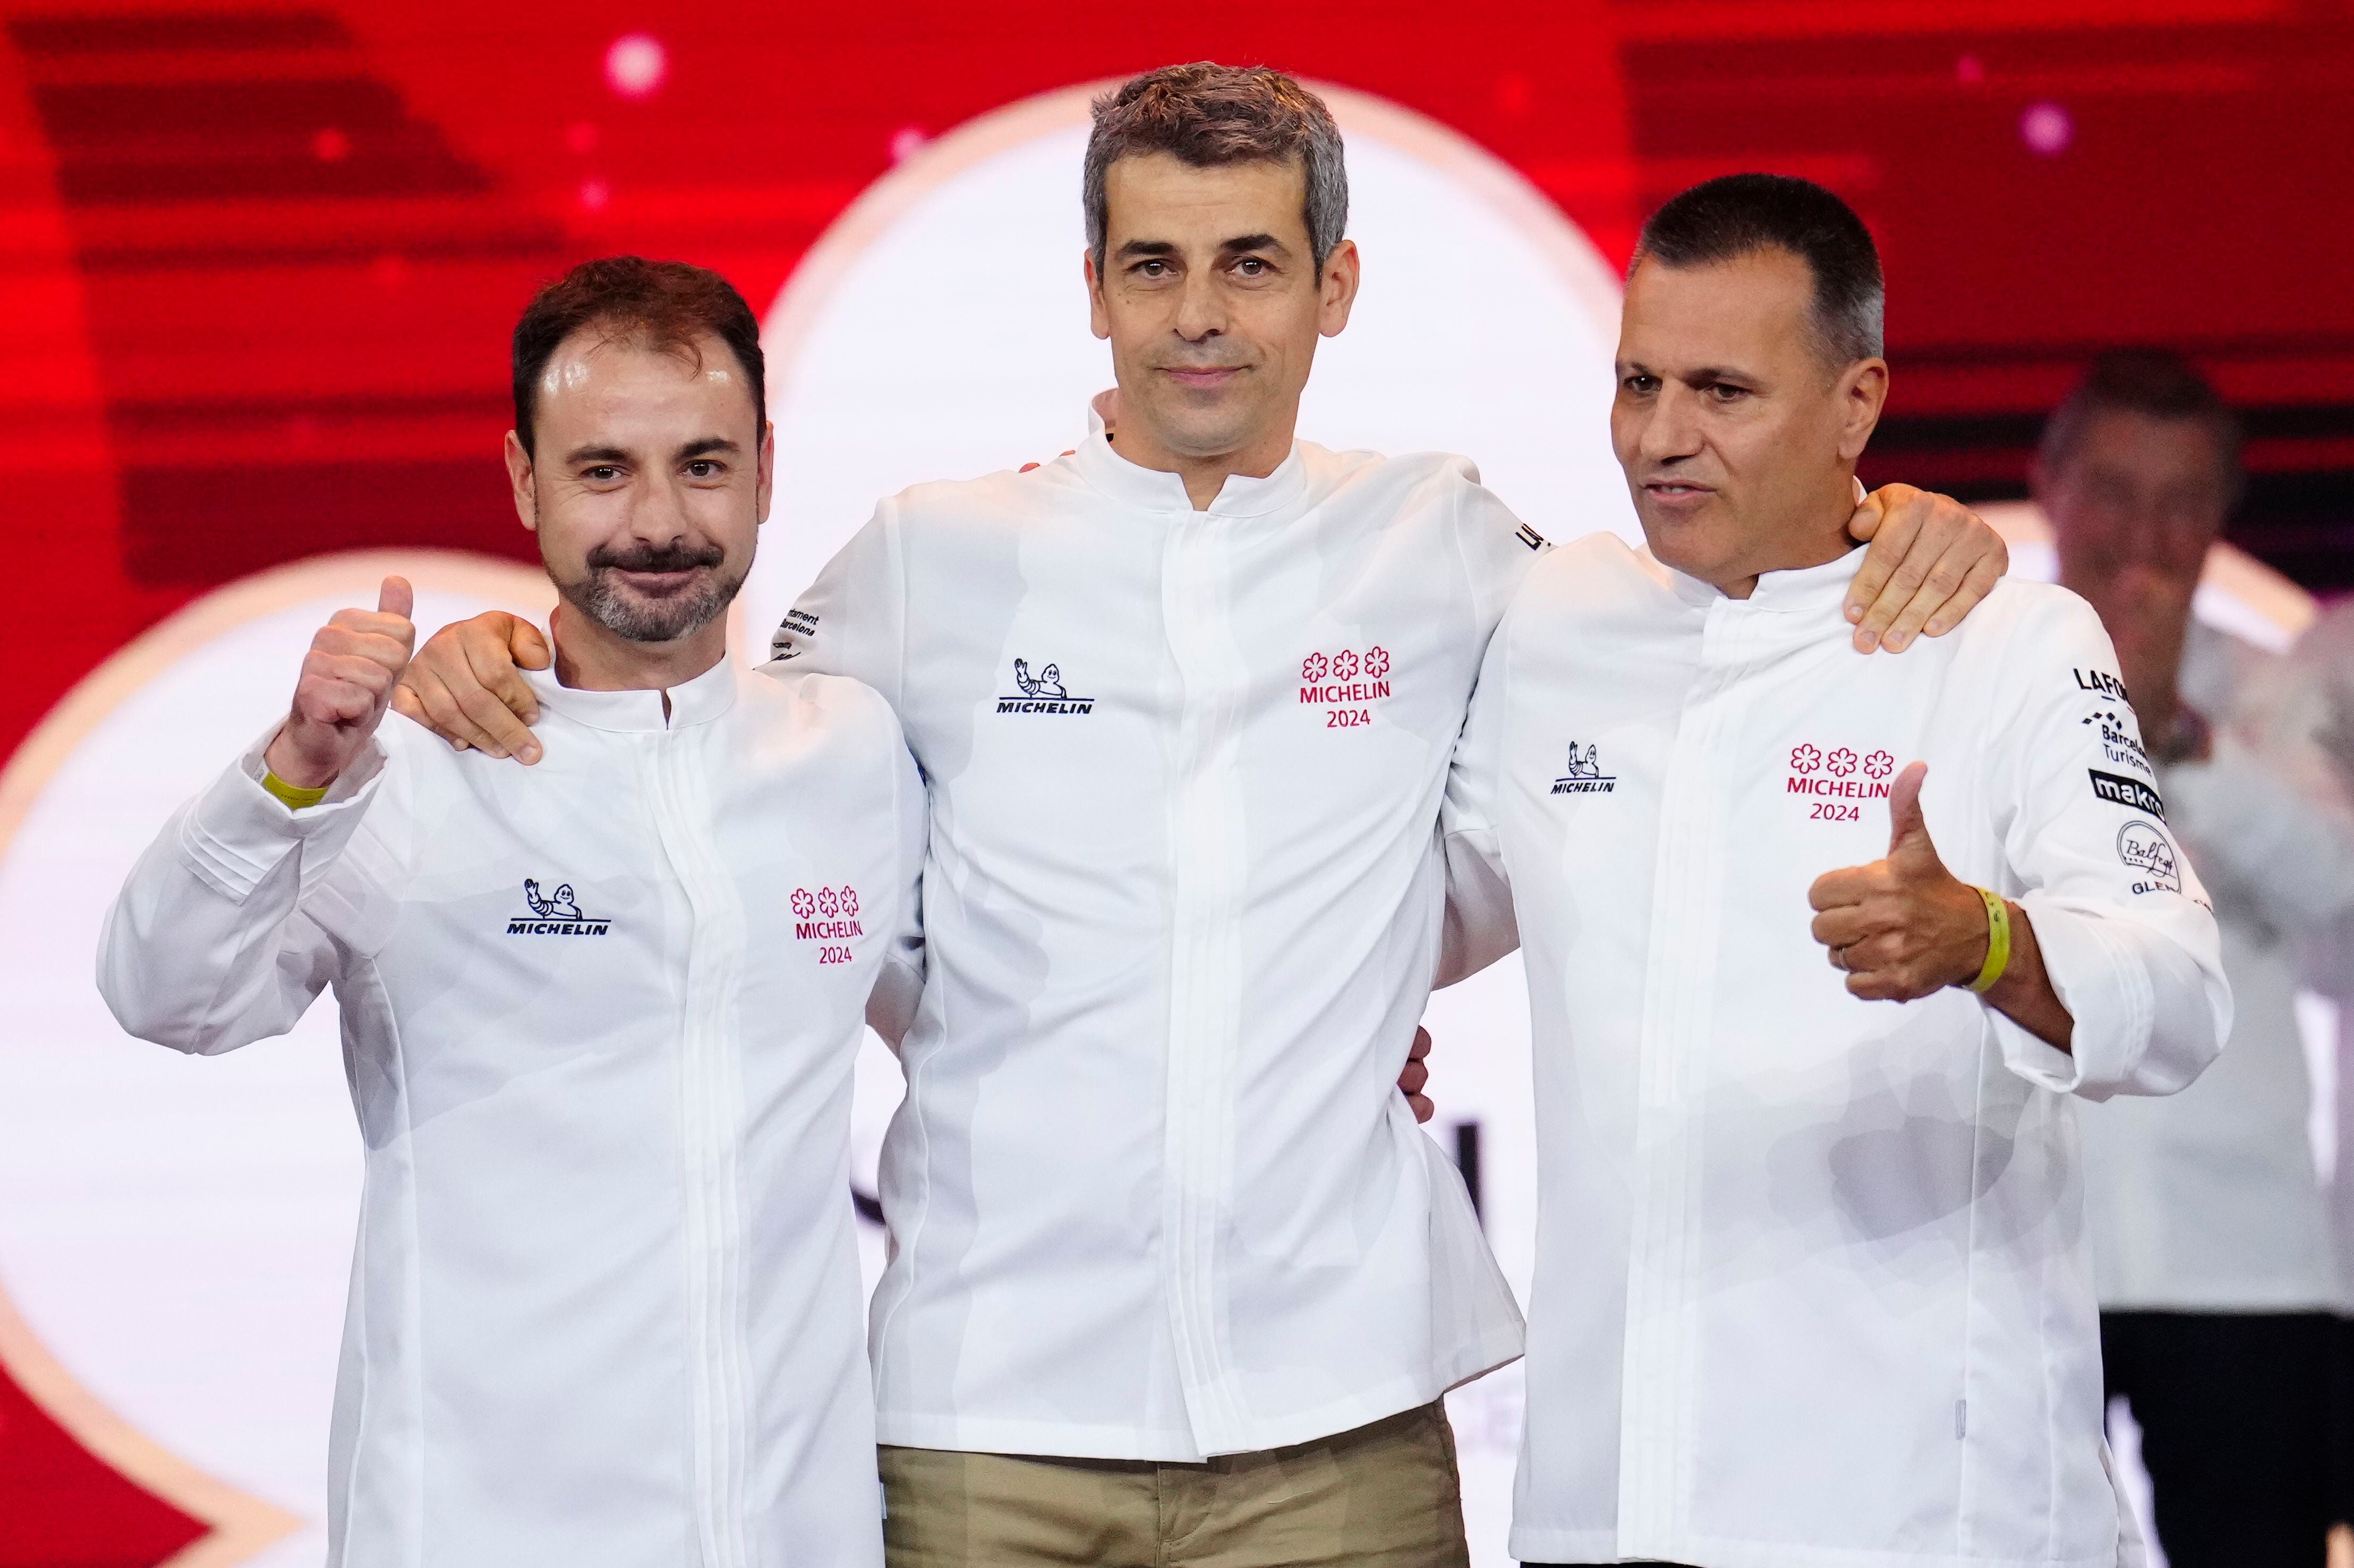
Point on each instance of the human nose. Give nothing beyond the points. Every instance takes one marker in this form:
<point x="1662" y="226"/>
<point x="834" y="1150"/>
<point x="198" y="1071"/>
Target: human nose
<point x="658" y="508"/>
<point x="1672" y="428"/>
<point x="1200" y="307"/>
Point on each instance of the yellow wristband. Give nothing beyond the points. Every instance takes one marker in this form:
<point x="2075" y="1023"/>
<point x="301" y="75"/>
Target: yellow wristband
<point x="294" y="795"/>
<point x="1998" y="957"/>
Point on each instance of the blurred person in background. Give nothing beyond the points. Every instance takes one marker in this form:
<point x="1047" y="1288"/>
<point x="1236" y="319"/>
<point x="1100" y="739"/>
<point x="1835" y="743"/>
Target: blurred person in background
<point x="2312" y="720"/>
<point x="2212" y="1242"/>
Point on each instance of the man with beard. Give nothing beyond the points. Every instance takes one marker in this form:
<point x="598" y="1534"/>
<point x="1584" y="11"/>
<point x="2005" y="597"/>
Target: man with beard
<point x="598" y="1017"/>
<point x="1174" y="1279"/>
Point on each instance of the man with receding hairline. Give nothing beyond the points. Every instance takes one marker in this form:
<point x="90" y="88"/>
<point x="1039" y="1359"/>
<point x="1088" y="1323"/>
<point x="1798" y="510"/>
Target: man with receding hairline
<point x="1810" y="1285"/>
<point x="1174" y="1278"/>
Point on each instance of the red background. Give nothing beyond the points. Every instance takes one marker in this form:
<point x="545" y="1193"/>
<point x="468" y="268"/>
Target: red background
<point x="258" y="262"/>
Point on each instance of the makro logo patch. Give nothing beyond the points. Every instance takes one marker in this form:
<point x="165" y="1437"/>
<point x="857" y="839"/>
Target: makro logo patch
<point x="2131" y="793"/>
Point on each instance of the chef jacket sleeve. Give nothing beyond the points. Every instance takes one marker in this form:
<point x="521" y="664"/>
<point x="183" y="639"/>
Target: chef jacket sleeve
<point x="1497" y="547"/>
<point x="1480" y="927"/>
<point x="900" y="985"/>
<point x="2125" y="929"/>
<point x="209" y="946"/>
<point x="853" y="620"/>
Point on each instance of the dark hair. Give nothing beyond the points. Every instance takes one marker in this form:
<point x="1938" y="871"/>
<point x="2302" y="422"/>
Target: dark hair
<point x="1210" y="115"/>
<point x="2149" y="381"/>
<point x="1740" y="215"/>
<point x="665" y="306"/>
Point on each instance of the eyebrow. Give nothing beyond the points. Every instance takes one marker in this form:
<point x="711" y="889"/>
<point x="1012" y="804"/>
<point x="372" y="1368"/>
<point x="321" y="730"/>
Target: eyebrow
<point x="1240" y="243"/>
<point x="687" y="454"/>
<point x="1700" y="376"/>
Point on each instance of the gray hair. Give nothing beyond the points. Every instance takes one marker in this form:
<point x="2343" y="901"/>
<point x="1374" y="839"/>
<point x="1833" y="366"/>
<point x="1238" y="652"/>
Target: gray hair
<point x="1209" y="115"/>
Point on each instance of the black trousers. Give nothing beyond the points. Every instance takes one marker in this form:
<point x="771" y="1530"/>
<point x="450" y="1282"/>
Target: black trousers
<point x="2236" y="1427"/>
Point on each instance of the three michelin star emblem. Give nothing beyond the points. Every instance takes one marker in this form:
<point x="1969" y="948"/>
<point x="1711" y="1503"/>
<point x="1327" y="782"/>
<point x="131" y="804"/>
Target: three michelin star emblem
<point x="1043" y="693"/>
<point x="556" y="914"/>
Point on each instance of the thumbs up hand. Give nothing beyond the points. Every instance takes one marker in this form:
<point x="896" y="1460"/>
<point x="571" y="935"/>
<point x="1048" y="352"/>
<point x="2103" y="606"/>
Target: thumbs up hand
<point x="348" y="680"/>
<point x="1905" y="926"/>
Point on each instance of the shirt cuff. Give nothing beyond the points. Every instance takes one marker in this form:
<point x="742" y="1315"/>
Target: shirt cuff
<point x="2107" y="996"/>
<point x="236" y="832"/>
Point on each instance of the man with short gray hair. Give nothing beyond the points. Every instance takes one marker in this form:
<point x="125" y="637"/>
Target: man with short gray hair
<point x="1822" y="953"/>
<point x="1174" y="1279"/>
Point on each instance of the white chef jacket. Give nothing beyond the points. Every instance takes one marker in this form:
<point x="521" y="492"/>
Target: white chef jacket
<point x="2311" y="729"/>
<point x="1154" y="1193"/>
<point x="2207" y="1201"/>
<point x="600" y="1018"/>
<point x="1808" y="1288"/>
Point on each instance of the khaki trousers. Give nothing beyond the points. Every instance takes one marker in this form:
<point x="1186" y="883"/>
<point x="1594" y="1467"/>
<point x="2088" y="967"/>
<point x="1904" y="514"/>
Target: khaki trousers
<point x="1382" y="1496"/>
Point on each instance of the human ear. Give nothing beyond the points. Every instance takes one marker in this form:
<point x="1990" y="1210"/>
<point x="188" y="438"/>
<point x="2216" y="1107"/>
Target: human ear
<point x="1337" y="289"/>
<point x="1862" y="392"/>
<point x="523" y="481"/>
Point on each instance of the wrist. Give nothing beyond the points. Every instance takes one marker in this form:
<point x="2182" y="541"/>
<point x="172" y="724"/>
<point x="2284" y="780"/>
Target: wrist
<point x="291" y="766"/>
<point x="1995" y="943"/>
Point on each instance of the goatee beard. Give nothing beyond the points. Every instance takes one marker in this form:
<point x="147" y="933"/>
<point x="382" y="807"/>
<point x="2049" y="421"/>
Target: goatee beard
<point x="637" y="618"/>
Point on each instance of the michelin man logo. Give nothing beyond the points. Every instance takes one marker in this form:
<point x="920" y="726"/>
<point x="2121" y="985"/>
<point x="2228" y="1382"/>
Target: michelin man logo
<point x="557" y="906"/>
<point x="1047" y="682"/>
<point x="1043" y="693"/>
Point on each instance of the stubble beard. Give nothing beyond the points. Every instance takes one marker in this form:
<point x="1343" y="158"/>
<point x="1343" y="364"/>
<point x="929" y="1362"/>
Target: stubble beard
<point x="635" y="618"/>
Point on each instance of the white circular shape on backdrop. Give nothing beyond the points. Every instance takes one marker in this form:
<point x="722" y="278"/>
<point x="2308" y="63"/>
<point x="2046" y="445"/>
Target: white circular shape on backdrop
<point x="176" y="1232"/>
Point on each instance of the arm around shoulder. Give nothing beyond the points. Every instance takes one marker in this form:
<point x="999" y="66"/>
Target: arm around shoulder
<point x="853" y="620"/>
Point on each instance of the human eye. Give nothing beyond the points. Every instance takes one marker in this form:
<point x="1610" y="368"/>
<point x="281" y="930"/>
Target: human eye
<point x="706" y="468"/>
<point x="602" y="474"/>
<point x="1152" y="269"/>
<point x="1640" y="385"/>
<point x="1726" y="392"/>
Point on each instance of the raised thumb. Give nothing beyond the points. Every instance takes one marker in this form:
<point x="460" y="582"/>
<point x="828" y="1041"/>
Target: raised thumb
<point x="396" y="597"/>
<point x="1907" y="829"/>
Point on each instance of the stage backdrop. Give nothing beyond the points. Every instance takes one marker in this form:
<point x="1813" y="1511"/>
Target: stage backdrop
<point x="261" y="261"/>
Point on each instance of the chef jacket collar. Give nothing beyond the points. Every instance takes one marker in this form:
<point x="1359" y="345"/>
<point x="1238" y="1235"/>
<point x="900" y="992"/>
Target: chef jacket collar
<point x="1150" y="490"/>
<point x="698" y="701"/>
<point x="1806" y="590"/>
